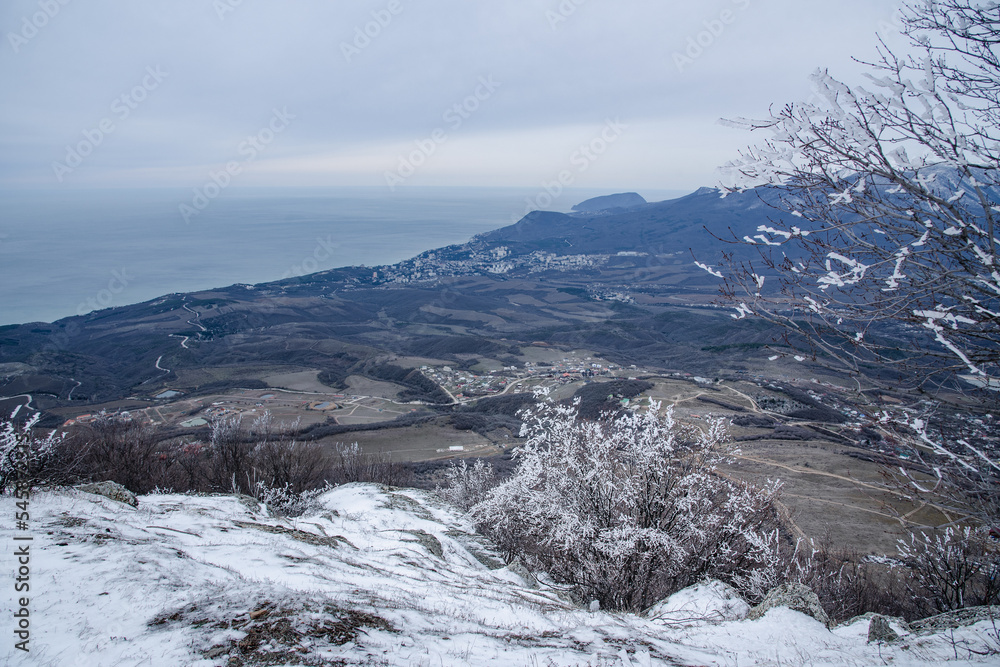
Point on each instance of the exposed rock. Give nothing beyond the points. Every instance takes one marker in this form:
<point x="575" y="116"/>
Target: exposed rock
<point x="251" y="503"/>
<point x="478" y="548"/>
<point x="895" y="622"/>
<point x="216" y="651"/>
<point x="112" y="490"/>
<point x="408" y="504"/>
<point x="955" y="619"/>
<point x="797" y="597"/>
<point x="333" y="541"/>
<point x="427" y="541"/>
<point x="879" y="630"/>
<point x="708" y="602"/>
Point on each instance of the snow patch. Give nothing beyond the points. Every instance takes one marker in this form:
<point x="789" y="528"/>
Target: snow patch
<point x="375" y="576"/>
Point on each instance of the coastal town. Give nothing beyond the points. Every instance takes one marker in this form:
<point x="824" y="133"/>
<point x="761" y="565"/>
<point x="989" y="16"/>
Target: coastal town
<point x="466" y="261"/>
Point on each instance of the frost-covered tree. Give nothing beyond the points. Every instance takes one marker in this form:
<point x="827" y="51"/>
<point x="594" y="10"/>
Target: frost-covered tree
<point x="632" y="509"/>
<point x="888" y="255"/>
<point x="884" y="258"/>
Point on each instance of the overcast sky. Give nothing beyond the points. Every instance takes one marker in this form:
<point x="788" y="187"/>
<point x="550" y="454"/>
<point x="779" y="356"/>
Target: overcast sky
<point x="129" y="93"/>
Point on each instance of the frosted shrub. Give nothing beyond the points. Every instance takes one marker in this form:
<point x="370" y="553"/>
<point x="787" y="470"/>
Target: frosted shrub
<point x="123" y="450"/>
<point x="297" y="465"/>
<point x="467" y="485"/>
<point x="230" y="455"/>
<point x="850" y="583"/>
<point x="350" y="464"/>
<point x="23" y="454"/>
<point x="953" y="568"/>
<point x="631" y="510"/>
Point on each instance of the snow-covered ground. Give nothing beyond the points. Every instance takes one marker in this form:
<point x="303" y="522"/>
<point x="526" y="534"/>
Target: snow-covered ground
<point x="377" y="576"/>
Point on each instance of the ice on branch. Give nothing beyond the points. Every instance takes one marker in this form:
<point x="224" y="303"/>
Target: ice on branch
<point x="813" y="304"/>
<point x="834" y="279"/>
<point x="841" y="197"/>
<point x="706" y="267"/>
<point x="741" y="311"/>
<point x="942" y="314"/>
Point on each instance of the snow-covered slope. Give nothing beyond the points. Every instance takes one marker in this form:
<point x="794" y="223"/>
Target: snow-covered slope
<point x="375" y="576"/>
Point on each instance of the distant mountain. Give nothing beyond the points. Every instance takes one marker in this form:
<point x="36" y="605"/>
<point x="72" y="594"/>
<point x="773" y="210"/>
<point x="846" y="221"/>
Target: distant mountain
<point x="624" y="200"/>
<point x="694" y="222"/>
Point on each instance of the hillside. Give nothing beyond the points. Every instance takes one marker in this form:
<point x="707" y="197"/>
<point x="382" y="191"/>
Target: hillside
<point x="621" y="283"/>
<point x="372" y="576"/>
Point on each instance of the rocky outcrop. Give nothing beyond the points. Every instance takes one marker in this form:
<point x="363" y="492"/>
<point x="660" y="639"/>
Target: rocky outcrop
<point x="427" y="541"/>
<point x="955" y="619"/>
<point x="112" y="490"/>
<point x="797" y="597"/>
<point x="879" y="630"/>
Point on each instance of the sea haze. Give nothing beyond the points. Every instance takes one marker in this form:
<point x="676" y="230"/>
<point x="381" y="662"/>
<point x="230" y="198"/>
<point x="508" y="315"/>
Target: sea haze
<point x="69" y="252"/>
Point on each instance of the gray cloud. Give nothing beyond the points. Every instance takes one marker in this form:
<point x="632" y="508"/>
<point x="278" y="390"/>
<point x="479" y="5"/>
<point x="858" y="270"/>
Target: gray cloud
<point x="564" y="68"/>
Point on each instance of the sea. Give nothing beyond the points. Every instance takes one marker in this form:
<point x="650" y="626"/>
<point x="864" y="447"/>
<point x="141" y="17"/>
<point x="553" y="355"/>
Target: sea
<point x="70" y="252"/>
